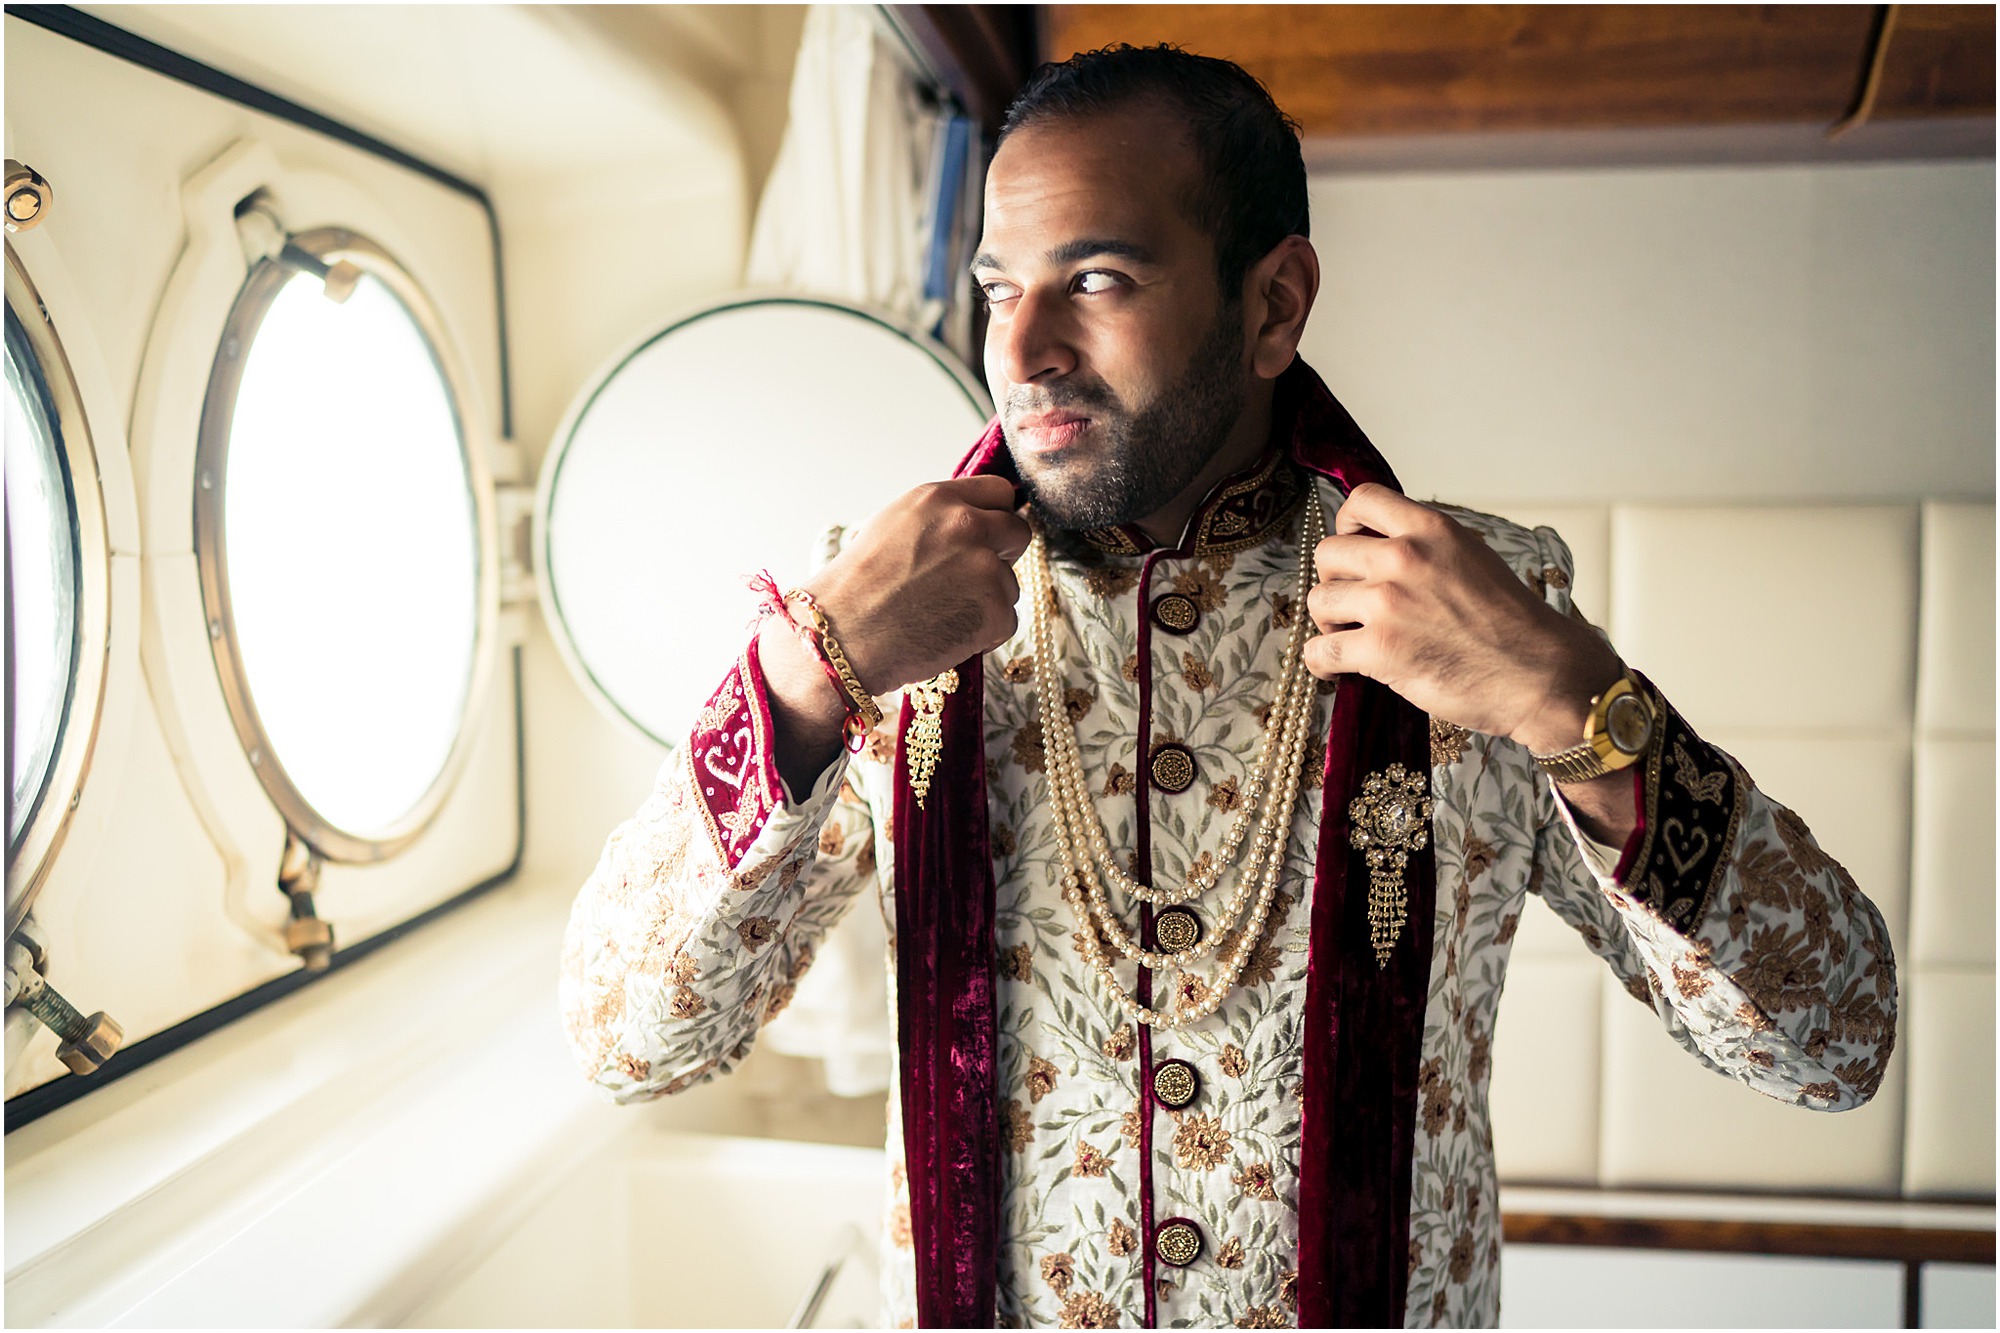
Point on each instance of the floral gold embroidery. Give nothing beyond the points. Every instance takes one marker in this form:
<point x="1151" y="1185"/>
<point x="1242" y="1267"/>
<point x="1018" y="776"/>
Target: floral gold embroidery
<point x="1283" y="612"/>
<point x="1120" y="1240"/>
<point x="1088" y="1309"/>
<point x="1089" y="1161"/>
<point x="1019" y="671"/>
<point x="1058" y="1270"/>
<point x="1027" y="747"/>
<point x="1119" y="1045"/>
<point x="831" y="839"/>
<point x="781" y="995"/>
<point x="1078" y="702"/>
<point x="1233" y="1062"/>
<point x="1016" y="1129"/>
<point x="1255" y="1182"/>
<point x="1225" y="796"/>
<point x="1041" y="1080"/>
<point x="1701" y="786"/>
<point x="1200" y="1143"/>
<point x="1231" y="1254"/>
<point x="1264" y="1316"/>
<point x="1459" y="1262"/>
<point x="1120" y="782"/>
<point x="632" y="1067"/>
<point x="1447" y="742"/>
<point x="1130" y="1128"/>
<point x="899" y="1226"/>
<point x="1288" y="1290"/>
<point x="756" y="932"/>
<point x="1130" y="669"/>
<point x="686" y="1003"/>
<point x="1111" y="580"/>
<point x="1017" y="963"/>
<point x="1004" y="841"/>
<point x="1201" y="587"/>
<point x="1195" y="673"/>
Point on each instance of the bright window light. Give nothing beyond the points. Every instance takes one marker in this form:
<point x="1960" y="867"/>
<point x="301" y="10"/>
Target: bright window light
<point x="351" y="553"/>
<point x="41" y="550"/>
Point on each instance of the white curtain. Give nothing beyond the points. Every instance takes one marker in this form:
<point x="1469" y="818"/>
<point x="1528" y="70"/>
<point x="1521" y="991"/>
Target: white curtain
<point x="848" y="213"/>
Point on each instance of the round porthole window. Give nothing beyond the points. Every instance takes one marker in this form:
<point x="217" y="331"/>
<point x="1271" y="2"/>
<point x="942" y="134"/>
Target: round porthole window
<point x="58" y="592"/>
<point x="724" y="444"/>
<point x="337" y="523"/>
<point x="44" y="583"/>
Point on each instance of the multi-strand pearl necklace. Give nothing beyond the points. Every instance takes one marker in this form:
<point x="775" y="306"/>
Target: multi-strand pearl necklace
<point x="1269" y="802"/>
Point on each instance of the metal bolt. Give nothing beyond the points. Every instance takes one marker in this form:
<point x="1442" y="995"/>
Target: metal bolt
<point x="86" y="1042"/>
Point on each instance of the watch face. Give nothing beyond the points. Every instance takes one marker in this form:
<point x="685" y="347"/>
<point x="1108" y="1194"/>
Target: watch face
<point x="1629" y="723"/>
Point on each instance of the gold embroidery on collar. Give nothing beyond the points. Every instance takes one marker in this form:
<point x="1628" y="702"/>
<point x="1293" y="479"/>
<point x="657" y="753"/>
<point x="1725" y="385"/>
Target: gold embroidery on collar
<point x="1244" y="513"/>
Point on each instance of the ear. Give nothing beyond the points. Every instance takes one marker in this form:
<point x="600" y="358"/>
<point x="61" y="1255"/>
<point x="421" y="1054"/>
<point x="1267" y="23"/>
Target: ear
<point x="1278" y="294"/>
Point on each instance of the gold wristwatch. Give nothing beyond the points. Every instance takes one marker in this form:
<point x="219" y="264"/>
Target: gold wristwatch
<point x="1620" y="727"/>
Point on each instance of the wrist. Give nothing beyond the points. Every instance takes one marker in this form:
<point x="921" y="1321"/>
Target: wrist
<point x="1557" y="720"/>
<point x="804" y="700"/>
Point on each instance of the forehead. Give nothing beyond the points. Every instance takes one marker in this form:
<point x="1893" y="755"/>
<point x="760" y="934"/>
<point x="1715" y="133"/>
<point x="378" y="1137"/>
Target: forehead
<point x="1122" y="175"/>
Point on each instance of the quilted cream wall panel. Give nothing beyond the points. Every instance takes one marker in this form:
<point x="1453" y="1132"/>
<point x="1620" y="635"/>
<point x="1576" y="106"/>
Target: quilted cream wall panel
<point x="1947" y="962"/>
<point x="1771" y="619"/>
<point x="1948" y="1049"/>
<point x="1956" y="692"/>
<point x="1845" y="655"/>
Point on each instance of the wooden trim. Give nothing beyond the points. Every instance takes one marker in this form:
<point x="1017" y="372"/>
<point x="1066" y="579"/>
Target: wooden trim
<point x="1382" y="71"/>
<point x="1816" y="1240"/>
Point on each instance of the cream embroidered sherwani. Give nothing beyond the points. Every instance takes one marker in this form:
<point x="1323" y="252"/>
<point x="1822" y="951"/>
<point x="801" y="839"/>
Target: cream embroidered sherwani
<point x="677" y="950"/>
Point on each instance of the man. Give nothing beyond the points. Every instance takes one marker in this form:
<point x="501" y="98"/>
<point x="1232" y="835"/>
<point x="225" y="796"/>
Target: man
<point x="1203" y="876"/>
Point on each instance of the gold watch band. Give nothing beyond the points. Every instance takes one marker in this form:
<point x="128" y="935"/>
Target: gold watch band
<point x="1599" y="754"/>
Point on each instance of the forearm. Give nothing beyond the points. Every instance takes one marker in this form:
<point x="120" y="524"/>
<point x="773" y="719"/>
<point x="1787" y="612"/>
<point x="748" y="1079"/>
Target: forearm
<point x="807" y="716"/>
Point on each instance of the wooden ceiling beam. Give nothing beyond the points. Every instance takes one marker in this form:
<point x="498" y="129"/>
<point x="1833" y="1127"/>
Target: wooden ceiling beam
<point x="1370" y="71"/>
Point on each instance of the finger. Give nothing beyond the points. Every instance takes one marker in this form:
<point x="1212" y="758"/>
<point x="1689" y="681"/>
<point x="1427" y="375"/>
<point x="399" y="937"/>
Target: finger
<point x="1004" y="532"/>
<point x="1341" y="605"/>
<point x="980" y="492"/>
<point x="1343" y="652"/>
<point x="1373" y="507"/>
<point x="1353" y="556"/>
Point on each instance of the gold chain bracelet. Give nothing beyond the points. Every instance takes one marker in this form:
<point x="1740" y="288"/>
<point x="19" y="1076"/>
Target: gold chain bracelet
<point x="865" y="714"/>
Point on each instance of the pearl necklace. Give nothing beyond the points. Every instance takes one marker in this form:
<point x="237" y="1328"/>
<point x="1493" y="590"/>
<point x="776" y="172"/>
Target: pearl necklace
<point x="1272" y="798"/>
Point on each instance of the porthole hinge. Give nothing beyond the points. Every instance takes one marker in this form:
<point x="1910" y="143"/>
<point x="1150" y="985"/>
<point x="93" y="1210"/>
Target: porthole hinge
<point x="305" y="934"/>
<point x="29" y="197"/>
<point x="86" y="1043"/>
<point x="514" y="507"/>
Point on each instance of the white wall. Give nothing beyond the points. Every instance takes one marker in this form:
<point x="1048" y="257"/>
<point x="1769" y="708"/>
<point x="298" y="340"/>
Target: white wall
<point x="1700" y="334"/>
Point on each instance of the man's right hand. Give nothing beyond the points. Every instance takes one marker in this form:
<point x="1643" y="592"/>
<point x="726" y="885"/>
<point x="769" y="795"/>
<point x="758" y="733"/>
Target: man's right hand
<point x="928" y="583"/>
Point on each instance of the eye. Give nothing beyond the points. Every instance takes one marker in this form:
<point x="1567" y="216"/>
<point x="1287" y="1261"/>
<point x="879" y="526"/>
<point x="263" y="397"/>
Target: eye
<point x="994" y="292"/>
<point x="1097" y="280"/>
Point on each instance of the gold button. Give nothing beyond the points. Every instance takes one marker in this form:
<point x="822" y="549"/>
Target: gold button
<point x="1178" y="1242"/>
<point x="1175" y="1084"/>
<point x="1176" y="930"/>
<point x="1176" y="613"/>
<point x="1172" y="767"/>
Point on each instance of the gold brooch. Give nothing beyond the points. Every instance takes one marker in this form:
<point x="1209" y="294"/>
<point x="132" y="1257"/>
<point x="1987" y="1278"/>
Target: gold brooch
<point x="926" y="738"/>
<point x="1389" y="820"/>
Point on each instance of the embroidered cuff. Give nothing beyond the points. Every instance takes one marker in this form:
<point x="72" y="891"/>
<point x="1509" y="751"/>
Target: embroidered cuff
<point x="1691" y="801"/>
<point x="735" y="767"/>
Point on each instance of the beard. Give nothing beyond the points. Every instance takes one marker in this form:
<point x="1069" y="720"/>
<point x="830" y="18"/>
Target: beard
<point x="1144" y="458"/>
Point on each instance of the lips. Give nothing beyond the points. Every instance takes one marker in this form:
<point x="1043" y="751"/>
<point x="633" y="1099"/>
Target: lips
<point x="1047" y="432"/>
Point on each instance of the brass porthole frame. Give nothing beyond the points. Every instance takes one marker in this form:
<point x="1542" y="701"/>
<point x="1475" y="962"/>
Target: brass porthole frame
<point x="267" y="277"/>
<point x="48" y="818"/>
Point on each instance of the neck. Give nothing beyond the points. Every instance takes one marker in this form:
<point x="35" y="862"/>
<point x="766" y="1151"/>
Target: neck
<point x="1246" y="443"/>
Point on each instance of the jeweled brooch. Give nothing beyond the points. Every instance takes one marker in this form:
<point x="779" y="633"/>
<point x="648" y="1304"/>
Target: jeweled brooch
<point x="1389" y="820"/>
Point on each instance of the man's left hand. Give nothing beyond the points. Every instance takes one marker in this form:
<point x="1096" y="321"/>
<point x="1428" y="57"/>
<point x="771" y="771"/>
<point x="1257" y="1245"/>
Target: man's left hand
<point x="1410" y="598"/>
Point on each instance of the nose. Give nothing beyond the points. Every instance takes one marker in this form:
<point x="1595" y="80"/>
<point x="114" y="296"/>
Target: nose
<point x="1032" y="344"/>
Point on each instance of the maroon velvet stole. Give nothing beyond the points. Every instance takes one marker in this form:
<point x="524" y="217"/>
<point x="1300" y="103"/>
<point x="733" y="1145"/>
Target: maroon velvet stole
<point x="1363" y="1023"/>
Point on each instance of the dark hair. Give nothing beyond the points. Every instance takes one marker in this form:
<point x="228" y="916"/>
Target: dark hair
<point x="1253" y="188"/>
